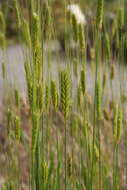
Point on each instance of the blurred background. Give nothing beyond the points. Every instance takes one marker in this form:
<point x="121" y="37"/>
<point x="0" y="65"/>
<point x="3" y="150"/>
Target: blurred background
<point x="88" y="7"/>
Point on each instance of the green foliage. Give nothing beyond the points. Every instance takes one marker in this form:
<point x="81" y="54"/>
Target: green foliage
<point x="66" y="133"/>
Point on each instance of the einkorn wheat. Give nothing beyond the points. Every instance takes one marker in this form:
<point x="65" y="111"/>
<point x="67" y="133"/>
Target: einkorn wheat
<point x="65" y="93"/>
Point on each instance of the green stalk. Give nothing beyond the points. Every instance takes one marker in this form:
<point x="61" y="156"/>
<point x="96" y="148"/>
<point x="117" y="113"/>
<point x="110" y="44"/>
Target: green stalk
<point x="94" y="122"/>
<point x="65" y="154"/>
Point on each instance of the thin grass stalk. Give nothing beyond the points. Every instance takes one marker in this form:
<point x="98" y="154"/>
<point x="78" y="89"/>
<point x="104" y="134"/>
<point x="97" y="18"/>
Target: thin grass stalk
<point x="94" y="120"/>
<point x="48" y="117"/>
<point x="81" y="39"/>
<point x="126" y="162"/>
<point x="99" y="20"/>
<point x="65" y="106"/>
<point x="98" y="102"/>
<point x="65" y="152"/>
<point x="118" y="118"/>
<point x="58" y="161"/>
<point x="115" y="166"/>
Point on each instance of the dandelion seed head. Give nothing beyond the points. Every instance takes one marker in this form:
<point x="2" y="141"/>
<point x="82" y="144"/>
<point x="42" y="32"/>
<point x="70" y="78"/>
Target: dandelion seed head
<point x="75" y="10"/>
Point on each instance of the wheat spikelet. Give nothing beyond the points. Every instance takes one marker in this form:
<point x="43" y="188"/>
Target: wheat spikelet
<point x="30" y="92"/>
<point x="118" y="117"/>
<point x="34" y="93"/>
<point x="35" y="130"/>
<point x="99" y="17"/>
<point x="29" y="82"/>
<point x="18" y="14"/>
<point x="106" y="115"/>
<point x="54" y="94"/>
<point x="83" y="81"/>
<point x="37" y="58"/>
<point x="35" y="30"/>
<point x="121" y="18"/>
<point x="31" y="85"/>
<point x="26" y="33"/>
<point x="81" y="37"/>
<point x="75" y="28"/>
<point x="95" y="151"/>
<point x="65" y="93"/>
<point x="37" y="47"/>
<point x="40" y="97"/>
<point x="27" y="72"/>
<point x="44" y="172"/>
<point x="47" y="20"/>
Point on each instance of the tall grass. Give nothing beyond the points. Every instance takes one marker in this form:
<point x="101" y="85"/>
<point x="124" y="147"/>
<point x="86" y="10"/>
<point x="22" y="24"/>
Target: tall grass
<point x="72" y="138"/>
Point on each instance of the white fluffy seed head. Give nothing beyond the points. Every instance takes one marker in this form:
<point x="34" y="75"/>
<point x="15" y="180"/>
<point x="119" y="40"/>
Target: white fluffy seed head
<point x="75" y="10"/>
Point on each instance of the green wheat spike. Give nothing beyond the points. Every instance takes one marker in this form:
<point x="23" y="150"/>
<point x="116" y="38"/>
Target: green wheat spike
<point x="35" y="130"/>
<point x="82" y="37"/>
<point x="99" y="16"/>
<point x="54" y="94"/>
<point x="35" y="30"/>
<point x="40" y="97"/>
<point x="18" y="13"/>
<point x="65" y="98"/>
<point x="83" y="81"/>
<point x="26" y="33"/>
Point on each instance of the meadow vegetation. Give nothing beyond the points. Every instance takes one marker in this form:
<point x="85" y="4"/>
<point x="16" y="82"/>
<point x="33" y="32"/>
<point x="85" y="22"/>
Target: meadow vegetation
<point x="61" y="135"/>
